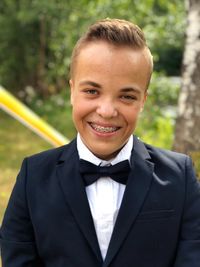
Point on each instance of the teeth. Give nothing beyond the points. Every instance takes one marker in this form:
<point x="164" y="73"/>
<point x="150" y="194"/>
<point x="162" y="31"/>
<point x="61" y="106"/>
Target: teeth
<point x="102" y="129"/>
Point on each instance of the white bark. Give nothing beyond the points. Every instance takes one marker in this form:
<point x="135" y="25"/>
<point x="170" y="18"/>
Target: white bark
<point x="187" y="134"/>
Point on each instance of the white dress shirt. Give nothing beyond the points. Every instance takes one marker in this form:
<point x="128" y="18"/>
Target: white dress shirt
<point x="105" y="195"/>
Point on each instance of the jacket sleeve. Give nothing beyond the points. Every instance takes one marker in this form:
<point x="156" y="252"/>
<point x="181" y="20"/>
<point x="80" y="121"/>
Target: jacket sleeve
<point x="188" y="252"/>
<point x="17" y="242"/>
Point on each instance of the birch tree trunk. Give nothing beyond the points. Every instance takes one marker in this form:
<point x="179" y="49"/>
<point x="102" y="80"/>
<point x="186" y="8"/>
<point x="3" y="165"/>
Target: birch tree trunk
<point x="187" y="130"/>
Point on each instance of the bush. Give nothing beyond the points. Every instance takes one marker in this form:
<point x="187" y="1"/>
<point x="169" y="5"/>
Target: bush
<point x="156" y="125"/>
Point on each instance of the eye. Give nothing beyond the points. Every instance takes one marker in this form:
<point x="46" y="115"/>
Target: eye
<point x="129" y="97"/>
<point x="91" y="91"/>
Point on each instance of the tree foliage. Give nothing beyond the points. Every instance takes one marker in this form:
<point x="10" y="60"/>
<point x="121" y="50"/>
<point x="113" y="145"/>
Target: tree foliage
<point x="37" y="36"/>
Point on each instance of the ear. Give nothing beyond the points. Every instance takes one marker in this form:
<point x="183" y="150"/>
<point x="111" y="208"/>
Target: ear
<point x="71" y="85"/>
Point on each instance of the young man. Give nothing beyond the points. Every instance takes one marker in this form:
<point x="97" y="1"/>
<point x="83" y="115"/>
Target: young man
<point x="106" y="199"/>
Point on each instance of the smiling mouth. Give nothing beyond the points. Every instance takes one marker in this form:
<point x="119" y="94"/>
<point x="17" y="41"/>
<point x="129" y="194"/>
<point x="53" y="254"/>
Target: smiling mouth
<point x="104" y="129"/>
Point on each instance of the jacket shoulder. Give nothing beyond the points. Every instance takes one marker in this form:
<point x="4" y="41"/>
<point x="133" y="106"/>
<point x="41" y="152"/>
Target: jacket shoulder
<point x="167" y="159"/>
<point x="160" y="152"/>
<point x="50" y="156"/>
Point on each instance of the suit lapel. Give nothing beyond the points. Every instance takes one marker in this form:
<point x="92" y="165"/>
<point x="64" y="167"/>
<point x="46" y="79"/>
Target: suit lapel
<point x="75" y="195"/>
<point x="138" y="185"/>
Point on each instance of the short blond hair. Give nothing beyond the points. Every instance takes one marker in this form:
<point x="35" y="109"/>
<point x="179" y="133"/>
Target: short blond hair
<point x="117" y="32"/>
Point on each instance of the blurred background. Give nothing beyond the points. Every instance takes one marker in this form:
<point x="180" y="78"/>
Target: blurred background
<point x="36" y="41"/>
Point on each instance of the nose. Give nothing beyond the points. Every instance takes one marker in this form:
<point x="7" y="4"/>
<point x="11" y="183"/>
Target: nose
<point x="107" y="109"/>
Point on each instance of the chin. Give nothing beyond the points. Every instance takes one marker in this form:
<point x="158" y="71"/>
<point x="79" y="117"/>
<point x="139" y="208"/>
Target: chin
<point x="106" y="155"/>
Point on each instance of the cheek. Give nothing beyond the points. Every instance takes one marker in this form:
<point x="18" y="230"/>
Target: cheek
<point x="77" y="117"/>
<point x="80" y="110"/>
<point x="131" y="117"/>
<point x="76" y="112"/>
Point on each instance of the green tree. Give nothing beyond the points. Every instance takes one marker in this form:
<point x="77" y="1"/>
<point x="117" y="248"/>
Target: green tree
<point x="37" y="36"/>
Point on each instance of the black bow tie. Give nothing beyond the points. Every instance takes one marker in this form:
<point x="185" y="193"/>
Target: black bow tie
<point x="118" y="172"/>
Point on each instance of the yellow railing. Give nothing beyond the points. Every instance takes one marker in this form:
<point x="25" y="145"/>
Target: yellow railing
<point x="26" y="116"/>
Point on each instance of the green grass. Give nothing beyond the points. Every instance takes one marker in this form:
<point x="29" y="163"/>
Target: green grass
<point x="16" y="142"/>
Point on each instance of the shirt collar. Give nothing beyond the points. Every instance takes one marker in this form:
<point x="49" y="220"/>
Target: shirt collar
<point x="86" y="154"/>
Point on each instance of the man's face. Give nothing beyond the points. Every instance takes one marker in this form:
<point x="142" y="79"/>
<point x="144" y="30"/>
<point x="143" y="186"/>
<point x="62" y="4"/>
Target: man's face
<point x="108" y="91"/>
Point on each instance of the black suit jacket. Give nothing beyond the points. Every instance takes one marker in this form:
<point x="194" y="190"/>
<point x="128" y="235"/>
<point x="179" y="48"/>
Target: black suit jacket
<point x="48" y="220"/>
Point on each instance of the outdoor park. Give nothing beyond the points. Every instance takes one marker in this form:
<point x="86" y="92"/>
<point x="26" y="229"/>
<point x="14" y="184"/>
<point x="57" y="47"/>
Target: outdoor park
<point x="36" y="40"/>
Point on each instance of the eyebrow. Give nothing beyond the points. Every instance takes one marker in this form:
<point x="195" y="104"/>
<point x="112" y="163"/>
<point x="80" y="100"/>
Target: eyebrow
<point x="123" y="90"/>
<point x="94" y="84"/>
<point x="130" y="89"/>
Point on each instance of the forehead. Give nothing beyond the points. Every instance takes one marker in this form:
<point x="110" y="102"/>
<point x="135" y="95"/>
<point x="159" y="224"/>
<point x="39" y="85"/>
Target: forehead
<point x="103" y="58"/>
<point x="103" y="48"/>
